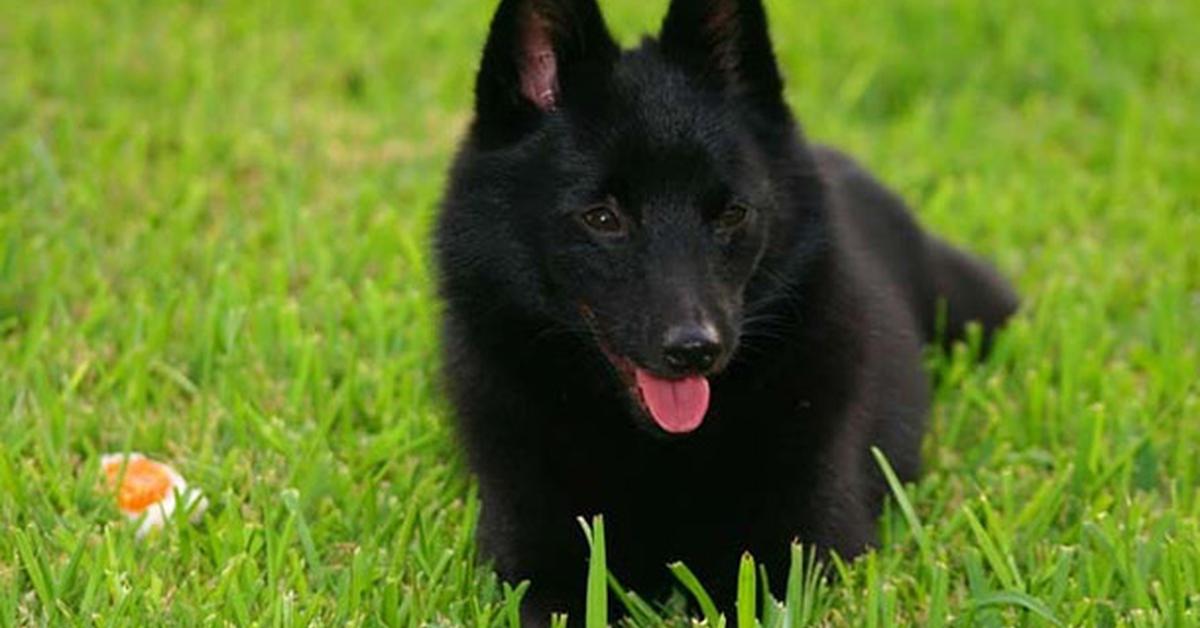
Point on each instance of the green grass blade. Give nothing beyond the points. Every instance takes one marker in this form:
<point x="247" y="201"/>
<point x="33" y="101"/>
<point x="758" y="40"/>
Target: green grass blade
<point x="597" y="577"/>
<point x="1000" y="566"/>
<point x="1018" y="599"/>
<point x="747" y="596"/>
<point x="906" y="507"/>
<point x="685" y="576"/>
<point x="37" y="571"/>
<point x="806" y="587"/>
<point x="512" y="603"/>
<point x="641" y="612"/>
<point x="291" y="499"/>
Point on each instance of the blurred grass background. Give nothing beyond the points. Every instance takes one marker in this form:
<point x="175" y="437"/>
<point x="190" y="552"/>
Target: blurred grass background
<point x="213" y="222"/>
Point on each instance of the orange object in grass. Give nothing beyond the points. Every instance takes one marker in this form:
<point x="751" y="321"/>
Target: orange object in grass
<point x="145" y="482"/>
<point x="147" y="490"/>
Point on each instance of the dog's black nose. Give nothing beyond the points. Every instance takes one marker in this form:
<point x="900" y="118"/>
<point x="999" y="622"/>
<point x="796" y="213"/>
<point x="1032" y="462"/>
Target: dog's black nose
<point x="691" y="348"/>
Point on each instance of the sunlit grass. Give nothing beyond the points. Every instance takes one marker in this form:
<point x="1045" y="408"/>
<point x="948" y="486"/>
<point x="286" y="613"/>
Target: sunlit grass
<point x="213" y="250"/>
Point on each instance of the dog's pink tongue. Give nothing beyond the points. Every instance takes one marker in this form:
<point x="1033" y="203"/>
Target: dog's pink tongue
<point x="678" y="406"/>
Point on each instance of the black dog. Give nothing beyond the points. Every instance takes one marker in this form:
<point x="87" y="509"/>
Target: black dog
<point x="662" y="305"/>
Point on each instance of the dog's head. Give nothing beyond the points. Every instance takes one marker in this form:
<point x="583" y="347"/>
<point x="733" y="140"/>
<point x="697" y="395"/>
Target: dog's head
<point x="640" y="190"/>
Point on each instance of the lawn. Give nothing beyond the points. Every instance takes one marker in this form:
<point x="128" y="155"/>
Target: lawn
<point x="213" y="249"/>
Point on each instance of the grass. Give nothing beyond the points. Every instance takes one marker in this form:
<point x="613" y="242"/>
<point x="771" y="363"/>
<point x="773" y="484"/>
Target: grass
<point x="213" y="221"/>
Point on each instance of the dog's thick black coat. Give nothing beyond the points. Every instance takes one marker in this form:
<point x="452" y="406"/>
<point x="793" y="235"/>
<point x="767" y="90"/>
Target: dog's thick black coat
<point x="605" y="199"/>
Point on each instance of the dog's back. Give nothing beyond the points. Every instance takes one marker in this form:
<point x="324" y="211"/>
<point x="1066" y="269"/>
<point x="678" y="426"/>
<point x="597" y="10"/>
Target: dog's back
<point x="947" y="288"/>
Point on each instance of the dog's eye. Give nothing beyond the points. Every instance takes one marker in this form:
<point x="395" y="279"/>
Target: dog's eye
<point x="603" y="219"/>
<point x="734" y="216"/>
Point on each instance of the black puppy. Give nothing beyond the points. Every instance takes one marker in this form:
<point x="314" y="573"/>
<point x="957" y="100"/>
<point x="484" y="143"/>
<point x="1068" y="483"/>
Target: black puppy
<point x="662" y="305"/>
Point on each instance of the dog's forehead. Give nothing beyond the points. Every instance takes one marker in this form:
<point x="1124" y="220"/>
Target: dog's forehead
<point x="662" y="102"/>
<point x="657" y="129"/>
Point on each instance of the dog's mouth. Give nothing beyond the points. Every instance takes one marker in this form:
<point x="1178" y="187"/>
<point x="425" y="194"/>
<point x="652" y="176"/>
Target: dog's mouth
<point x="677" y="406"/>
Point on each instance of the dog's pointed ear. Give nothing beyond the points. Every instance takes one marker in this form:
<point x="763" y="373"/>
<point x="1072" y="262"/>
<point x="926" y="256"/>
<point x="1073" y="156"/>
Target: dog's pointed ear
<point x="727" y="44"/>
<point x="537" y="52"/>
